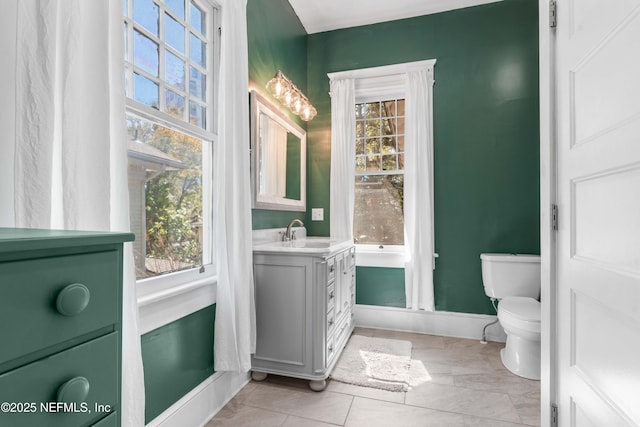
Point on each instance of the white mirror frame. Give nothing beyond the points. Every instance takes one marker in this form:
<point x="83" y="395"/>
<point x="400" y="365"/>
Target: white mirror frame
<point x="260" y="105"/>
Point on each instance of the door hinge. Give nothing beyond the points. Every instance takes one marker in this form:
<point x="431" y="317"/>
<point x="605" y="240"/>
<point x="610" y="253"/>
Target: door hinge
<point x="554" y="415"/>
<point x="554" y="217"/>
<point x="552" y="13"/>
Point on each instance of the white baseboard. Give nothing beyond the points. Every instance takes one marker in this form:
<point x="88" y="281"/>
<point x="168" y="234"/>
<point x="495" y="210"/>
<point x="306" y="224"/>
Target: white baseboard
<point x="442" y="323"/>
<point x="198" y="406"/>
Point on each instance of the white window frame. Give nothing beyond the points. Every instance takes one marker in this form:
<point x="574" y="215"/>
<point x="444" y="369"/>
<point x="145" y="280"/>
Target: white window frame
<point x="169" y="297"/>
<point x="373" y="85"/>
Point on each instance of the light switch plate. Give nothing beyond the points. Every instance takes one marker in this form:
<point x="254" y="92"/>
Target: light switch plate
<point x="317" y="214"/>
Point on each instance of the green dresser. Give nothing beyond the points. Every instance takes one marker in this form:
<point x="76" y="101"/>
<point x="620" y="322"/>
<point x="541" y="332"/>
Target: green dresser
<point x="60" y="327"/>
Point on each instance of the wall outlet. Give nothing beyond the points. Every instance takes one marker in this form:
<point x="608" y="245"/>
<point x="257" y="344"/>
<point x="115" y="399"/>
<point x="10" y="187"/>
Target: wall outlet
<point x="317" y="214"/>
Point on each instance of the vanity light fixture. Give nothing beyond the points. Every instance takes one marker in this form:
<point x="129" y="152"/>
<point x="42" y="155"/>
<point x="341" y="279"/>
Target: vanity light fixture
<point x="291" y="97"/>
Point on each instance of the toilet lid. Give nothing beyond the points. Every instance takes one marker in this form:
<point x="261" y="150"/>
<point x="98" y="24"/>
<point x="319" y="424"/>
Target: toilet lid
<point x="521" y="308"/>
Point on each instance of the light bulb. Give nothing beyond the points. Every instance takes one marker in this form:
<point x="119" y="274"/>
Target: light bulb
<point x="287" y="98"/>
<point x="308" y="113"/>
<point x="298" y="104"/>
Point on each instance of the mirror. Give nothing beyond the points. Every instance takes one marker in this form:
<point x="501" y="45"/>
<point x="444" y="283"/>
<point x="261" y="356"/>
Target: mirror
<point x="278" y="158"/>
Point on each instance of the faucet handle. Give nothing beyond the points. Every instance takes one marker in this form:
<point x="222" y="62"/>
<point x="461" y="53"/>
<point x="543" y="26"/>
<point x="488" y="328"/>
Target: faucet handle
<point x="293" y="234"/>
<point x="283" y="236"/>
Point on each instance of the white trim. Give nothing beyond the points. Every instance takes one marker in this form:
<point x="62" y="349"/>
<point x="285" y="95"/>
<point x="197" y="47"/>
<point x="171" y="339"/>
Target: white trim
<point x="202" y="403"/>
<point x="384" y="82"/>
<point x="442" y="323"/>
<point x="384" y="70"/>
<point x="261" y="105"/>
<point x="548" y="178"/>
<point x="374" y="256"/>
<point x="167" y="305"/>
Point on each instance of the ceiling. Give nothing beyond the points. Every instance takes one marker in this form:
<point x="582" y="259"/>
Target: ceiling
<point x="327" y="15"/>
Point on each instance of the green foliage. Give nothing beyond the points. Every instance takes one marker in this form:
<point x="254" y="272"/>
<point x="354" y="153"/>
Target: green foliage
<point x="173" y="197"/>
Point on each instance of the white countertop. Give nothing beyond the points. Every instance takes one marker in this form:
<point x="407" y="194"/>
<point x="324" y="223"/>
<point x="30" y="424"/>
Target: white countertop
<point x="308" y="246"/>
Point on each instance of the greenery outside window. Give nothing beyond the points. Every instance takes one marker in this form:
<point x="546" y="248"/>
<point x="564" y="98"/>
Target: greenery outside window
<point x="379" y="173"/>
<point x="170" y="70"/>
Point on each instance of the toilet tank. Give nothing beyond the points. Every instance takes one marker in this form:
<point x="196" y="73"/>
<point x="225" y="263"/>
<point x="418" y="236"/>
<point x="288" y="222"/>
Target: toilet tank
<point x="506" y="275"/>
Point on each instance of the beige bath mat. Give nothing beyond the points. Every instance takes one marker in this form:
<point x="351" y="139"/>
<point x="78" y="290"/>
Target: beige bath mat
<point x="375" y="362"/>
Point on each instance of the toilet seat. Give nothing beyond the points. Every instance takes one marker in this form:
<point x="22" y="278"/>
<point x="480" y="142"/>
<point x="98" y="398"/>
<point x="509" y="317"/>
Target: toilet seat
<point x="520" y="312"/>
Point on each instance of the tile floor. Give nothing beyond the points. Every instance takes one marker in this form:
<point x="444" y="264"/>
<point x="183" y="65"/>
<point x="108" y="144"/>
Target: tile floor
<point x="466" y="386"/>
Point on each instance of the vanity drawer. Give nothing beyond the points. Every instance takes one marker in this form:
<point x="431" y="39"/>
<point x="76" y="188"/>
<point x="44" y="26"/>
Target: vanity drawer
<point x="331" y="269"/>
<point x="331" y="296"/>
<point x="331" y="349"/>
<point x="42" y="381"/>
<point x="331" y="321"/>
<point x="352" y="257"/>
<point x="34" y="292"/>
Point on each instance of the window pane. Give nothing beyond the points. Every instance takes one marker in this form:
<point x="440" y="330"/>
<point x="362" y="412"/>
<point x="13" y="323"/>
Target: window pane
<point x="174" y="104"/>
<point x="400" y="107"/>
<point x="145" y="91"/>
<point x="379" y="210"/>
<point x="197" y="115"/>
<point x="400" y="125"/>
<point x="196" y="83"/>
<point x="165" y="187"/>
<point x="174" y="70"/>
<point x="174" y="33"/>
<point x="373" y="146"/>
<point x="389" y="162"/>
<point x="177" y="6"/>
<point x="372" y="110"/>
<point x="372" y="127"/>
<point x="126" y="42"/>
<point x="401" y="144"/>
<point x="145" y="53"/>
<point x="359" y="146"/>
<point x="388" y="145"/>
<point x="373" y="163"/>
<point x="197" y="18"/>
<point x="389" y="126"/>
<point x="196" y="50"/>
<point x="388" y="108"/>
<point x="145" y="13"/>
<point x="361" y="163"/>
<point x="359" y="129"/>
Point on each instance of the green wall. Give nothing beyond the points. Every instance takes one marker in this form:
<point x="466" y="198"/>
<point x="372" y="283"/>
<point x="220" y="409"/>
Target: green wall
<point x="486" y="134"/>
<point x="277" y="41"/>
<point x="380" y="286"/>
<point x="176" y="358"/>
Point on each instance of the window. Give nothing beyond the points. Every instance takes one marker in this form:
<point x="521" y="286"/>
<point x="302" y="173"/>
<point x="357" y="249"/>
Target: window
<point x="170" y="64"/>
<point x="379" y="173"/>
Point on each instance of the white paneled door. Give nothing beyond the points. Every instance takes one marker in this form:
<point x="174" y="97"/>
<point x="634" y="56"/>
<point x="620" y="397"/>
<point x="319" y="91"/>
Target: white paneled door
<point x="598" y="265"/>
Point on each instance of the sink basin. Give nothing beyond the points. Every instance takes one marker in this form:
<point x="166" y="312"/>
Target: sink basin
<point x="307" y="245"/>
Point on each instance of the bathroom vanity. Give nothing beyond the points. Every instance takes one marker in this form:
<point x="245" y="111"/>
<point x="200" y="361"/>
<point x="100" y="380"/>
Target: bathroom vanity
<point x="305" y="293"/>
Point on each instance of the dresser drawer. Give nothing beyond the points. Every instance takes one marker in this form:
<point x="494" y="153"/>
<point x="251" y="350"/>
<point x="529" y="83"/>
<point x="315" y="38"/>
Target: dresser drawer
<point x="33" y="292"/>
<point x="41" y="382"/>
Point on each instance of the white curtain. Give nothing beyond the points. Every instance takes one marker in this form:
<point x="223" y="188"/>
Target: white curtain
<point x="235" y="336"/>
<point x="70" y="157"/>
<point x="418" y="191"/>
<point x="273" y="152"/>
<point x="343" y="136"/>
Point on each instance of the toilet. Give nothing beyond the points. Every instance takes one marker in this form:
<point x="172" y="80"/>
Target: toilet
<point x="514" y="280"/>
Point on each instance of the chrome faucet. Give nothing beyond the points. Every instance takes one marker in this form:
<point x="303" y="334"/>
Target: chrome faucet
<point x="291" y="234"/>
